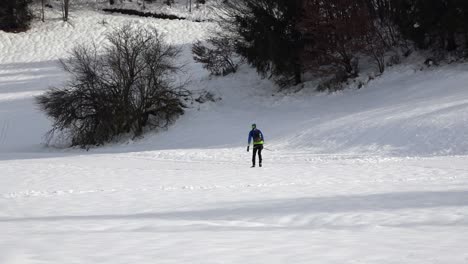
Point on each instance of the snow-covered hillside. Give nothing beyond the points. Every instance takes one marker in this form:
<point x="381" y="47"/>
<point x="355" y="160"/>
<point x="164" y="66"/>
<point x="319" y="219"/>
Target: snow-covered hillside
<point x="375" y="175"/>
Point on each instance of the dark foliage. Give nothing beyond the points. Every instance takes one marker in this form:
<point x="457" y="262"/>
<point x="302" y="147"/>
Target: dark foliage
<point x="133" y="12"/>
<point x="216" y="55"/>
<point x="431" y="24"/>
<point x="15" y="15"/>
<point x="283" y="39"/>
<point x="265" y="34"/>
<point x="126" y="89"/>
<point x="205" y="96"/>
<point x="335" y="32"/>
<point x="142" y="14"/>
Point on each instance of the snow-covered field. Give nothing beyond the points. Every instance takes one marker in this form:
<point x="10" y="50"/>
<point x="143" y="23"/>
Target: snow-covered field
<point x="376" y="175"/>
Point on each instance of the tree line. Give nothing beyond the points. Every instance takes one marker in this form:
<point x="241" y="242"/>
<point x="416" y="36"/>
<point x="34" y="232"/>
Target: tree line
<point x="286" y="39"/>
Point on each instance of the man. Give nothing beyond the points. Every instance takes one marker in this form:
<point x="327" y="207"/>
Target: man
<point x="257" y="137"/>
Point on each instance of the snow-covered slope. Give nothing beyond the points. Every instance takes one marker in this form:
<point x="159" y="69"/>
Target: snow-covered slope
<point x="405" y="112"/>
<point x="359" y="176"/>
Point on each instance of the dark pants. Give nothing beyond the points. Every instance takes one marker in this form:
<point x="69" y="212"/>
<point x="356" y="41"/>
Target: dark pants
<point x="257" y="148"/>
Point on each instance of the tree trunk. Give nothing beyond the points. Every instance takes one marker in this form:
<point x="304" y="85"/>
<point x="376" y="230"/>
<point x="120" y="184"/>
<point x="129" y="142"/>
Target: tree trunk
<point x="66" y="6"/>
<point x="466" y="40"/>
<point x="43" y="11"/>
<point x="451" y="43"/>
<point x="297" y="73"/>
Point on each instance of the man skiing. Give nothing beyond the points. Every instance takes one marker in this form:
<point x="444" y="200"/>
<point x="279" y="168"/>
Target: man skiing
<point x="257" y="137"/>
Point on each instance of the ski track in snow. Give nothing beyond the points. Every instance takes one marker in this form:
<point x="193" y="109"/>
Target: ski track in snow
<point x="376" y="175"/>
<point x="419" y="173"/>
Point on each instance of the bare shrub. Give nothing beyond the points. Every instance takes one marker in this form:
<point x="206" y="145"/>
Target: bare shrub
<point x="375" y="47"/>
<point x="333" y="83"/>
<point x="206" y="96"/>
<point x="130" y="86"/>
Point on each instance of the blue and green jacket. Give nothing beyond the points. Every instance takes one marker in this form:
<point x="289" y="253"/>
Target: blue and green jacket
<point x="251" y="137"/>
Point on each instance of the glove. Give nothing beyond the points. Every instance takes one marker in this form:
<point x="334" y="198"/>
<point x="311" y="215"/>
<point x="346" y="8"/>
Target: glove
<point x="248" y="147"/>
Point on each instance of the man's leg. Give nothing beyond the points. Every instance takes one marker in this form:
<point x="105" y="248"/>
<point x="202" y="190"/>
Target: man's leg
<point x="254" y="153"/>
<point x="260" y="148"/>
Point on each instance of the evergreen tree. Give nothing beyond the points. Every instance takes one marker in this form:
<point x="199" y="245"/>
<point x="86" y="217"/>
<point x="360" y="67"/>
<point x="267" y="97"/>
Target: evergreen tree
<point x="14" y="15"/>
<point x="267" y="36"/>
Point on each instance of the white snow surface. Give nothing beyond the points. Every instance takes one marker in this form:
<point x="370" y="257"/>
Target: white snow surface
<point x="375" y="175"/>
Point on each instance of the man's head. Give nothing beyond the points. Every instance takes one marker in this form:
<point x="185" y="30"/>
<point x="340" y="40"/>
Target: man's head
<point x="254" y="126"/>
